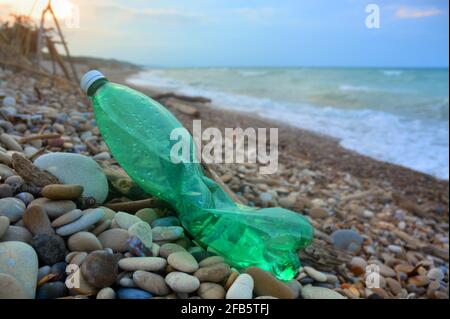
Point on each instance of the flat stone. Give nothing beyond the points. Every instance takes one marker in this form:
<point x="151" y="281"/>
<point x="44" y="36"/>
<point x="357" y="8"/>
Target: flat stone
<point x="153" y="283"/>
<point x="82" y="223"/>
<point x="166" y="221"/>
<point x="67" y="218"/>
<point x="125" y="220"/>
<point x="4" y="224"/>
<point x="319" y="212"/>
<point x="267" y="285"/>
<point x="54" y="208"/>
<point x="209" y="290"/>
<point x="170" y="233"/>
<point x="100" y="269"/>
<point x="12" y="208"/>
<point x="181" y="282"/>
<point x="214" y="273"/>
<point x="10" y="288"/>
<point x="133" y="293"/>
<point x="183" y="261"/>
<point x="169" y="248"/>
<point x="77" y="169"/>
<point x="242" y="288"/>
<point x="143" y="263"/>
<point x="84" y="241"/>
<point x="17" y="233"/>
<point x="116" y="239"/>
<point x="36" y="221"/>
<point x="358" y="266"/>
<point x="19" y="260"/>
<point x="310" y="292"/>
<point x="143" y="232"/>
<point x="49" y="248"/>
<point x="314" y="274"/>
<point x="394" y="286"/>
<point x="62" y="192"/>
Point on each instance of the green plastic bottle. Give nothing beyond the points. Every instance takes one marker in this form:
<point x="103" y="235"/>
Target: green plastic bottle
<point x="137" y="130"/>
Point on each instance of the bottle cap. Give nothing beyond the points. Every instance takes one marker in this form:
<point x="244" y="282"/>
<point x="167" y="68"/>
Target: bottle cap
<point x="89" y="78"/>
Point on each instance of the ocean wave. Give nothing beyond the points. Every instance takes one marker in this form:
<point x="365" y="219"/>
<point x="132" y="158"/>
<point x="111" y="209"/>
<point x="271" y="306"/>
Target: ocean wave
<point x="250" y="74"/>
<point x="421" y="145"/>
<point x="347" y="87"/>
<point x="392" y="72"/>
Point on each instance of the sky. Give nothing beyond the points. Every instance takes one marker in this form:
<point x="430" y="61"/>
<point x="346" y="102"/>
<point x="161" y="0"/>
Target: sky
<point x="275" y="33"/>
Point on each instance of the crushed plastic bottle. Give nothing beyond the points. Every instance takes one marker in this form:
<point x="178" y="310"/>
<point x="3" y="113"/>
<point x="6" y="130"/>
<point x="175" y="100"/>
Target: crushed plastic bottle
<point x="137" y="130"/>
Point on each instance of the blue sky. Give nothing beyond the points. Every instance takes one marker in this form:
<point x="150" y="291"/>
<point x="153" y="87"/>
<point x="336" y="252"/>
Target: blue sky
<point x="259" y="32"/>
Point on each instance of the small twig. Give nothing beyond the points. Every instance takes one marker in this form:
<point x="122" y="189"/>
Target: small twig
<point x="34" y="137"/>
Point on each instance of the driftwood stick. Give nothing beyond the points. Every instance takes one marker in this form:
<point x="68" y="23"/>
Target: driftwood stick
<point x="31" y="173"/>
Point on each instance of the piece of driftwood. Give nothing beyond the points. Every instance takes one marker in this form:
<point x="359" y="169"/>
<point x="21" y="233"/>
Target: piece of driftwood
<point x="34" y="137"/>
<point x="182" y="107"/>
<point x="31" y="173"/>
<point x="134" y="206"/>
<point x="191" y="99"/>
<point x="323" y="256"/>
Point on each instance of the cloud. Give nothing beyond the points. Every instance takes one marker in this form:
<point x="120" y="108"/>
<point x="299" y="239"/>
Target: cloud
<point x="417" y="13"/>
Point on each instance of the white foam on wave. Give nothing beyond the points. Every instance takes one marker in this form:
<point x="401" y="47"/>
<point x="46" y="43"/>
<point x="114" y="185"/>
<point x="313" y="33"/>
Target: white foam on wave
<point x="422" y="145"/>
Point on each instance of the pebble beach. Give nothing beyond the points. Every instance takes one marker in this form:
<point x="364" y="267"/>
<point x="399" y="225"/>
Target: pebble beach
<point x="65" y="201"/>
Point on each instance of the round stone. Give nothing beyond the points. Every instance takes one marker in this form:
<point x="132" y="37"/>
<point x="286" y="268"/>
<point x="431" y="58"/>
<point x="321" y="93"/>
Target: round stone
<point x="10" y="288"/>
<point x="318" y="212"/>
<point x="125" y="220"/>
<point x="183" y="261"/>
<point x="347" y="239"/>
<point x="4" y="224"/>
<point x="436" y="274"/>
<point x="242" y="288"/>
<point x="49" y="248"/>
<point x="67" y="218"/>
<point x="211" y="261"/>
<point x="116" y="239"/>
<point x="169" y="248"/>
<point x="52" y="290"/>
<point x="143" y="232"/>
<point x="150" y="282"/>
<point x="310" y="292"/>
<point x="143" y="263"/>
<point x="213" y="273"/>
<point x="36" y="221"/>
<point x="209" y="290"/>
<point x="19" y="260"/>
<point x="106" y="293"/>
<point x="12" y="208"/>
<point x="148" y="215"/>
<point x="358" y="266"/>
<point x="54" y="208"/>
<point x="77" y="169"/>
<point x="84" y="241"/>
<point x="61" y="191"/>
<point x="267" y="285"/>
<point x="182" y="283"/>
<point x="88" y="219"/>
<point x="100" y="269"/>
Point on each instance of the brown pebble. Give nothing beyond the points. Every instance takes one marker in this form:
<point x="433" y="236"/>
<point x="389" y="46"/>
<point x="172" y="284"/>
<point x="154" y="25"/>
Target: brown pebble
<point x="36" y="221"/>
<point x="61" y="191"/>
<point x="213" y="273"/>
<point x="231" y="278"/>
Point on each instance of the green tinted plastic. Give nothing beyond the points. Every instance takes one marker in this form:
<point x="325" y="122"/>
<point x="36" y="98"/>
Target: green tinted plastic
<point x="137" y="130"/>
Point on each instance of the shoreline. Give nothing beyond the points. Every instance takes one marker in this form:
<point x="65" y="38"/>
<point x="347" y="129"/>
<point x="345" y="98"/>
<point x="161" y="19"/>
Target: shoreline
<point x="320" y="149"/>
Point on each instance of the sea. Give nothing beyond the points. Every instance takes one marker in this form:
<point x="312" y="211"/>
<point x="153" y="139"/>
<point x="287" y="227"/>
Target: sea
<point x="399" y="115"/>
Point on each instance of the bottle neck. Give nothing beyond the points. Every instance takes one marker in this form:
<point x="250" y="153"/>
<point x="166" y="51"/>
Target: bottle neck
<point x="95" y="86"/>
